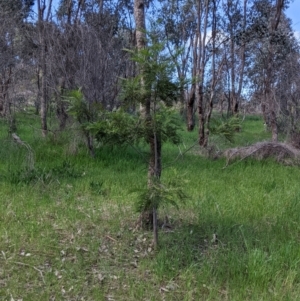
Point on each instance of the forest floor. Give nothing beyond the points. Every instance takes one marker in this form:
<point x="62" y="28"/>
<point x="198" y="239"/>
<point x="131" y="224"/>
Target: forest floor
<point x="67" y="222"/>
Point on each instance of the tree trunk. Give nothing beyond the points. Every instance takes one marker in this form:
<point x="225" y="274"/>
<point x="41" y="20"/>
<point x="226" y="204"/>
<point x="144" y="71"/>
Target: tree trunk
<point x="192" y="95"/>
<point x="4" y="102"/>
<point x="234" y="103"/>
<point x="155" y="227"/>
<point x="4" y="93"/>
<point x="269" y="97"/>
<point x="42" y="63"/>
<point x="90" y="145"/>
<point x="214" y="72"/>
<point x="201" y="114"/>
<point x="264" y="113"/>
<point x="139" y="16"/>
<point x="243" y="59"/>
<point x="154" y="170"/>
<point x="61" y="110"/>
<point x="201" y="62"/>
<point x="43" y="105"/>
<point x="154" y="143"/>
<point x="190" y="109"/>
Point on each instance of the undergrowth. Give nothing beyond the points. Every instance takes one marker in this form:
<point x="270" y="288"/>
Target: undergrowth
<point x="67" y="226"/>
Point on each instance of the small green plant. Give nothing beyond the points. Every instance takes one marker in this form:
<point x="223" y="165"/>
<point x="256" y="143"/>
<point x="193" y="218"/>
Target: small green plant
<point x="84" y="113"/>
<point x="66" y="170"/>
<point x="116" y="128"/>
<point x="97" y="187"/>
<point x="154" y="90"/>
<point x="43" y="175"/>
<point x="28" y="176"/>
<point x="226" y="128"/>
<point x="161" y="194"/>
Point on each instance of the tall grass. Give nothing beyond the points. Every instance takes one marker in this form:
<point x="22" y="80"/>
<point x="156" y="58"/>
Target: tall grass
<point x="68" y="232"/>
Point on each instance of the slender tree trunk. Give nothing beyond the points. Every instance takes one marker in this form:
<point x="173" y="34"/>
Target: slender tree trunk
<point x="270" y="99"/>
<point x="271" y="102"/>
<point x="215" y="74"/>
<point x="154" y="170"/>
<point x="61" y="110"/>
<point x="190" y="109"/>
<point x="41" y="4"/>
<point x="201" y="62"/>
<point x="153" y="139"/>
<point x="236" y="74"/>
<point x="4" y="100"/>
<point x="263" y="109"/>
<point x="233" y="99"/>
<point x="243" y="59"/>
<point x="44" y="91"/>
<point x="192" y="95"/>
<point x="155" y="228"/>
<point x="201" y="115"/>
<point x="90" y="145"/>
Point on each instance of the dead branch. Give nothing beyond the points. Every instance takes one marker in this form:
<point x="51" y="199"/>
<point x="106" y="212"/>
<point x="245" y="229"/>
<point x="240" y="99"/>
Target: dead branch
<point x="281" y="152"/>
<point x="31" y="266"/>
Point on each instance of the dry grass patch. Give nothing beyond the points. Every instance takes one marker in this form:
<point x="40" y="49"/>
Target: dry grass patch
<point x="281" y="152"/>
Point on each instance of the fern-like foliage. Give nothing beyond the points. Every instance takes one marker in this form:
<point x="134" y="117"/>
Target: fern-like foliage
<point x="159" y="194"/>
<point x="120" y="127"/>
<point x="226" y="128"/>
<point x="78" y="107"/>
<point x="117" y="128"/>
<point x="157" y="78"/>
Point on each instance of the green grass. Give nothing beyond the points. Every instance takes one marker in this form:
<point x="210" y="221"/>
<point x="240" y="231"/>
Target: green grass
<point x="68" y="233"/>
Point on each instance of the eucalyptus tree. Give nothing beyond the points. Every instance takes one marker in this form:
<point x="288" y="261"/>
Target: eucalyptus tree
<point x="194" y="28"/>
<point x="7" y="61"/>
<point x="44" y="14"/>
<point x="271" y="47"/>
<point x="13" y="16"/>
<point x="285" y="80"/>
<point x="234" y="27"/>
<point x="213" y="74"/>
<point x="89" y="53"/>
<point x="208" y="61"/>
<point x="201" y="10"/>
<point x="83" y="48"/>
<point x="104" y="34"/>
<point x="63" y="54"/>
<point x="176" y="18"/>
<point x="16" y="8"/>
<point x="290" y="85"/>
<point x="274" y="38"/>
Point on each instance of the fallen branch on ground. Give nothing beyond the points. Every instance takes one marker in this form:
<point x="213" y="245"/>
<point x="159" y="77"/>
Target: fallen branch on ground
<point x="281" y="152"/>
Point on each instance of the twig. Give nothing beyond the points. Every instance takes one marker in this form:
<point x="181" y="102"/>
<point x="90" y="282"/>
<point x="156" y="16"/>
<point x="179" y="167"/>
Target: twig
<point x="30" y="157"/>
<point x="31" y="266"/>
<point x="181" y="154"/>
<point x="107" y="236"/>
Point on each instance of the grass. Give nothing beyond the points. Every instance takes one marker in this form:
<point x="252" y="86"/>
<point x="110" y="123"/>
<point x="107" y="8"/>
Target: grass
<point x="67" y="228"/>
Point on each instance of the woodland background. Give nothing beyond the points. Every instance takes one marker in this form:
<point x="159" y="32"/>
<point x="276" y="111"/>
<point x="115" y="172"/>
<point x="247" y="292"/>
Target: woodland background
<point x="121" y="117"/>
